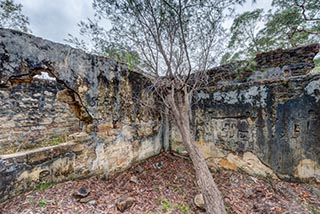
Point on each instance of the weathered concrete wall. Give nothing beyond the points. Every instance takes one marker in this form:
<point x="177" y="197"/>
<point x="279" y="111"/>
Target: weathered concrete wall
<point x="100" y="94"/>
<point x="264" y="125"/>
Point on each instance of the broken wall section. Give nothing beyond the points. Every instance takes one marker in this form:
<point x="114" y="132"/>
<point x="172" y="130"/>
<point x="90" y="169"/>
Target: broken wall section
<point x="266" y="121"/>
<point x="118" y="124"/>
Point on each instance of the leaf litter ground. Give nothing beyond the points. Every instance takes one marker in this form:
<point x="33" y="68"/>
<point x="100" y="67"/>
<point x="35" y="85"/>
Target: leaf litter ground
<point x="166" y="184"/>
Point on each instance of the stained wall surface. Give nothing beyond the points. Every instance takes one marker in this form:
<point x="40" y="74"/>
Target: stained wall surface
<point x="266" y="121"/>
<point x="87" y="119"/>
<point x="31" y="117"/>
<point x="93" y="115"/>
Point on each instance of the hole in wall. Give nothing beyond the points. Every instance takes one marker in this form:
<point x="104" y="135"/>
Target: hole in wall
<point x="316" y="61"/>
<point x="45" y="76"/>
<point x="297" y="128"/>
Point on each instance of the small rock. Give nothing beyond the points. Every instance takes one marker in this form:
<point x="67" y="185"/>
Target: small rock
<point x="103" y="177"/>
<point x="213" y="166"/>
<point x="125" y="203"/>
<point x="248" y="193"/>
<point x="134" y="179"/>
<point x="199" y="201"/>
<point x="184" y="152"/>
<point x="79" y="136"/>
<point x="85" y="200"/>
<point x="92" y="202"/>
<point x="315" y="191"/>
<point x="158" y="165"/>
<point x="138" y="169"/>
<point x="82" y="192"/>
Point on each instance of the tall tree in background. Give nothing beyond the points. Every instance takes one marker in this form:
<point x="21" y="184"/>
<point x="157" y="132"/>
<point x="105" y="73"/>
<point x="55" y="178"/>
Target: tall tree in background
<point x="288" y="24"/>
<point x="96" y="40"/>
<point x="176" y="41"/>
<point x="293" y="23"/>
<point x="11" y="16"/>
<point x="244" y="36"/>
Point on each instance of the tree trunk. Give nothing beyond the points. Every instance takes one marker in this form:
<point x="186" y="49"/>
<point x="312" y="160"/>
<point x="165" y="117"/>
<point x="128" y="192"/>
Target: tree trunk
<point x="165" y="127"/>
<point x="212" y="196"/>
<point x="209" y="189"/>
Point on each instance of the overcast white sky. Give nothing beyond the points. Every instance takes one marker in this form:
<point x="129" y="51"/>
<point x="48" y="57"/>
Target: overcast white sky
<point x="54" y="19"/>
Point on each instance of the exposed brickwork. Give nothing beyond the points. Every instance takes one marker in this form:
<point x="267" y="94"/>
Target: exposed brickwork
<point x="92" y="94"/>
<point x="30" y="116"/>
<point x="297" y="60"/>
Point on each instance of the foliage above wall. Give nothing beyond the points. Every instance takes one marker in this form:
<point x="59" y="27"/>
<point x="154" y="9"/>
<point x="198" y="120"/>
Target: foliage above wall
<point x="287" y="24"/>
<point x="11" y="16"/>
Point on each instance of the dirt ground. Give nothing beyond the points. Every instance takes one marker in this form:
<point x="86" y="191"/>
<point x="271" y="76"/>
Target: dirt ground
<point x="166" y="184"/>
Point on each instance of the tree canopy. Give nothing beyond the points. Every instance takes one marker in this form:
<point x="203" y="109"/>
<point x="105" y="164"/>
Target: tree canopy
<point x="171" y="36"/>
<point x="177" y="40"/>
<point x="243" y="34"/>
<point x="11" y="16"/>
<point x="287" y="24"/>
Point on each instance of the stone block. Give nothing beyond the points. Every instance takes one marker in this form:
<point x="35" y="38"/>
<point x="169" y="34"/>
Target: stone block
<point x="307" y="169"/>
<point x="79" y="137"/>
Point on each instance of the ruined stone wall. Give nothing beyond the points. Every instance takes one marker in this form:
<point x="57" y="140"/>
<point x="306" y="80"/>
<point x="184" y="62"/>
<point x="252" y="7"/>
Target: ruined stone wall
<point x="297" y="61"/>
<point x="30" y="116"/>
<point x="264" y="122"/>
<point x="278" y="122"/>
<point x="99" y="95"/>
<point x="265" y="66"/>
<point x="267" y="124"/>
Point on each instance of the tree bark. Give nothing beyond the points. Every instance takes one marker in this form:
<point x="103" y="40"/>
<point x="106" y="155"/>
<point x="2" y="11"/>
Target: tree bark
<point x="165" y="124"/>
<point x="212" y="196"/>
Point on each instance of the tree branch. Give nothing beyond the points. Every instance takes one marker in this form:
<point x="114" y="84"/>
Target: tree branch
<point x="303" y="12"/>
